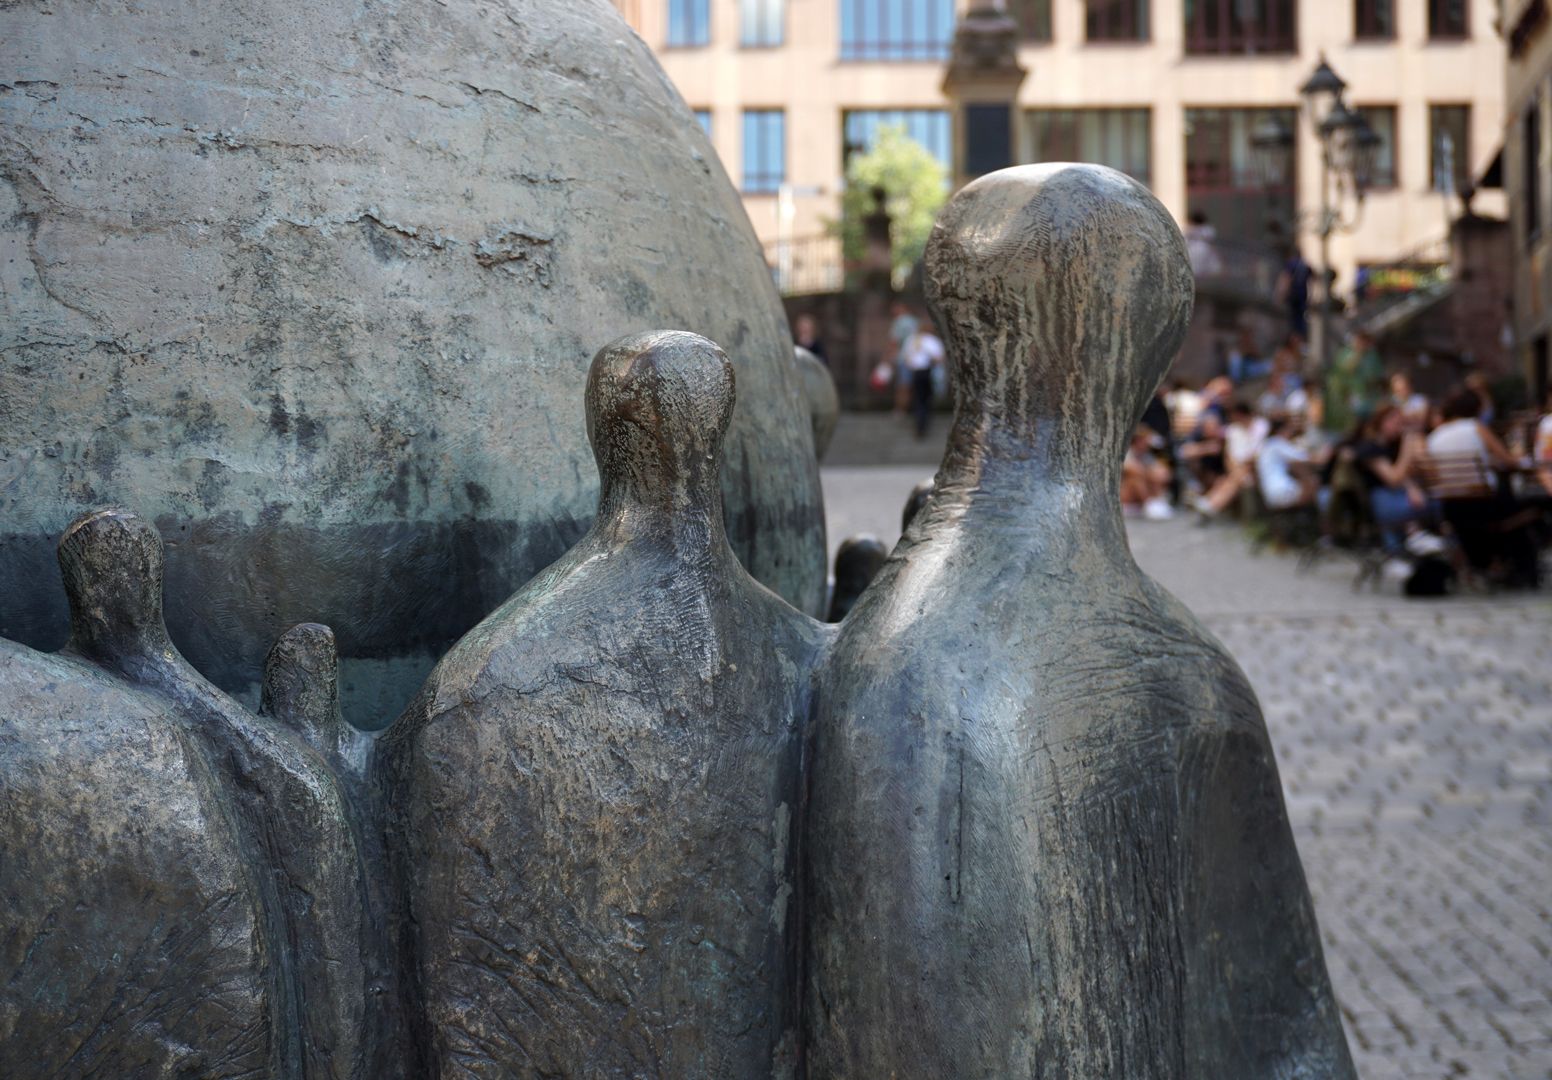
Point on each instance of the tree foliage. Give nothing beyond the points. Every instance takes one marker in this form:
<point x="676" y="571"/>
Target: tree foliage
<point x="915" y="185"/>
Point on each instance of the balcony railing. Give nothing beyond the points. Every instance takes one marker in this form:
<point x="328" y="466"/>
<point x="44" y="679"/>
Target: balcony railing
<point x="806" y="265"/>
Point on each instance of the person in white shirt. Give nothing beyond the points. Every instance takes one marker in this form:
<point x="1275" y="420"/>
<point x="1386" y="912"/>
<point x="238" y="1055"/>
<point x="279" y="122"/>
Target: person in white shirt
<point x="1284" y="469"/>
<point x="921" y="352"/>
<point x="1464" y="435"/>
<point x="1241" y="440"/>
<point x="1542" y="451"/>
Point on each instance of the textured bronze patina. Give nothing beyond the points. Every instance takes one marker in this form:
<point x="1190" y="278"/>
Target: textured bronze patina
<point x="181" y="887"/>
<point x="1016" y="817"/>
<point x="314" y="288"/>
<point x="824" y="403"/>
<point x="1046" y="834"/>
<point x="596" y="795"/>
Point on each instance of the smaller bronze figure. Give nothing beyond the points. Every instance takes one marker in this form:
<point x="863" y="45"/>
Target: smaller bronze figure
<point x="824" y="404"/>
<point x="597" y="792"/>
<point x="184" y="890"/>
<point x="857" y="562"/>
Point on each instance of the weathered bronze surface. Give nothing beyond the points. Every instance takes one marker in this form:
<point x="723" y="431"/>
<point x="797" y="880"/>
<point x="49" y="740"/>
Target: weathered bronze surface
<point x="314" y="287"/>
<point x="824" y="403"/>
<point x="181" y="888"/>
<point x="596" y="796"/>
<point x="1018" y="816"/>
<point x="1046" y="835"/>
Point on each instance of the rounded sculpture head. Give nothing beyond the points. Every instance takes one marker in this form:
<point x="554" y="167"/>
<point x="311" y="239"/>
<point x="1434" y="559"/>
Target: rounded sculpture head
<point x="1063" y="292"/>
<point x="658" y="406"/>
<point x="301" y="681"/>
<point x="112" y="564"/>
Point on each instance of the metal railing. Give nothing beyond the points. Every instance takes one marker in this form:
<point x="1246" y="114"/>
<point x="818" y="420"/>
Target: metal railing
<point x="806" y="265"/>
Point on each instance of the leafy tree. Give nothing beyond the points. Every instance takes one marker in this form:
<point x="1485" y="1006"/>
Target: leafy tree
<point x="915" y="185"/>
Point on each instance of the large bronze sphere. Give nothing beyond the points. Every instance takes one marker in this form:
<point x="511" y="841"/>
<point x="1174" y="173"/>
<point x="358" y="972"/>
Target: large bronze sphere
<point x="314" y="286"/>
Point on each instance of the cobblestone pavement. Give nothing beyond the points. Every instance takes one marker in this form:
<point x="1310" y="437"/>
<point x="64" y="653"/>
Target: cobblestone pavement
<point x="1415" y="743"/>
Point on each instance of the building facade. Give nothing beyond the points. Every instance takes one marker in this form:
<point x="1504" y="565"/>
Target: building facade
<point x="1527" y="177"/>
<point x="1167" y="90"/>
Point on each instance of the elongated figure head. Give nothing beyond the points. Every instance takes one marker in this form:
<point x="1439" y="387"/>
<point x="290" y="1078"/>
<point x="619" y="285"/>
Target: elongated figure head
<point x="658" y="406"/>
<point x="1063" y="292"/>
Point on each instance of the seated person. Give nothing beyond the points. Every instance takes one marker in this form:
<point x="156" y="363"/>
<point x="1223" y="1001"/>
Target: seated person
<point x="1241" y="439"/>
<point x="1203" y="453"/>
<point x="1285" y="471"/>
<point x="1413" y="406"/>
<point x="1387" y="458"/>
<point x="1462" y="433"/>
<point x="1145" y="478"/>
<point x="1489" y="529"/>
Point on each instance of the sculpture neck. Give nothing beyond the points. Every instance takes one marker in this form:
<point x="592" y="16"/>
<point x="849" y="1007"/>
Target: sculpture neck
<point x="684" y="512"/>
<point x="130" y="646"/>
<point x="1046" y="484"/>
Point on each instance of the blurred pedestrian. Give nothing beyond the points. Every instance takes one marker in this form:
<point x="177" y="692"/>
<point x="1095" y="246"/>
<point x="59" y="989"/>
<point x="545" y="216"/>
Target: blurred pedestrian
<point x="921" y="355"/>
<point x="1354" y="385"/>
<point x="1285" y="471"/>
<point x="1145" y="477"/>
<point x="805" y="331"/>
<point x="1202" y="246"/>
<point x="1292" y="291"/>
<point x="902" y="326"/>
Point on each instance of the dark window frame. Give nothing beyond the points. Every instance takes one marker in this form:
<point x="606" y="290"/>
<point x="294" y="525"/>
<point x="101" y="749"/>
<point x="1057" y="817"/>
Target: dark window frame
<point x="1117" y="22"/>
<point x="902" y="31"/>
<point x="758" y="181"/>
<point x="1034" y="20"/>
<point x="1212" y="28"/>
<point x="1367" y="111"/>
<point x="1438" y="14"/>
<point x="1367" y="23"/>
<point x="688" y="23"/>
<point x="1241" y="206"/>
<point x="1073" y="137"/>
<point x="1462" y="152"/>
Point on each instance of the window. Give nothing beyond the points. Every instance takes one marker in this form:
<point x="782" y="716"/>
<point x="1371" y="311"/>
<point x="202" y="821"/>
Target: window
<point x="1374" y="19"/>
<point x="1116" y="20"/>
<point x="1447" y="19"/>
<point x="703" y="118"/>
<point x="988" y="138"/>
<point x="765" y="150"/>
<point x="1530" y="168"/>
<point x="761" y="22"/>
<point x="927" y="126"/>
<point x="1382" y="121"/>
<point x="1224" y="179"/>
<point x="1232" y="27"/>
<point x="1033" y="18"/>
<point x="689" y="22"/>
<point x="1119" y="138"/>
<point x="1449" y="147"/>
<point x="896" y="29"/>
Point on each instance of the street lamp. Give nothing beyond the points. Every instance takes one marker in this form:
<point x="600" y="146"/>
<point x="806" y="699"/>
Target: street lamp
<point x="1347" y="151"/>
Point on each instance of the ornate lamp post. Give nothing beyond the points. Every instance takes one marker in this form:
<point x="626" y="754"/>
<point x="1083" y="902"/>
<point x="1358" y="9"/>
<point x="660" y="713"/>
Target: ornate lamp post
<point x="1347" y="146"/>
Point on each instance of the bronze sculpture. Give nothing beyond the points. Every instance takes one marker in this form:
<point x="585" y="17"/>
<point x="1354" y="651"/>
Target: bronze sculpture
<point x="1020" y="805"/>
<point x="1046" y="835"/>
<point x="596" y="795"/>
<point x="184" y="892"/>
